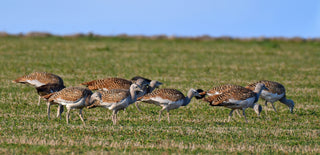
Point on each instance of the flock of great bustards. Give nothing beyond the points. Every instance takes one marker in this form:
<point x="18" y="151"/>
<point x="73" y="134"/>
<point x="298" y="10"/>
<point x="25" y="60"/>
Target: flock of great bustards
<point x="117" y="94"/>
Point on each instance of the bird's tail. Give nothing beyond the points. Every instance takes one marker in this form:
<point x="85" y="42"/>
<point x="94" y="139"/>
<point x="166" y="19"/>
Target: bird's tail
<point x="19" y="80"/>
<point x="139" y="98"/>
<point x="91" y="84"/>
<point x="88" y="83"/>
<point x="47" y="96"/>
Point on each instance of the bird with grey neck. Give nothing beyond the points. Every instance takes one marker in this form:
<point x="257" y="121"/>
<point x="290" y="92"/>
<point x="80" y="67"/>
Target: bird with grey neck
<point x="72" y="98"/>
<point x="44" y="82"/>
<point x="115" y="99"/>
<point x="276" y="92"/>
<point x="148" y="89"/>
<point x="238" y="98"/>
<point x="168" y="99"/>
<point x="115" y="83"/>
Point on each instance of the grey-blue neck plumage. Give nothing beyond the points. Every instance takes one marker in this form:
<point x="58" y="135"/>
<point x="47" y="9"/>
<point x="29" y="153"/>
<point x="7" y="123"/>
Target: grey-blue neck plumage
<point x="258" y="89"/>
<point x="133" y="96"/>
<point x="133" y="92"/>
<point x="188" y="98"/>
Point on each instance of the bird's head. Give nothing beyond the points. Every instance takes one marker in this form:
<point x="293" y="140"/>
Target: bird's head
<point x="257" y="108"/>
<point x="94" y="100"/>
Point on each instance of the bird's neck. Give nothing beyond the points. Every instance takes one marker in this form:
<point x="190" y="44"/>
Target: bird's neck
<point x="188" y="98"/>
<point x="286" y="101"/>
<point x="87" y="101"/>
<point x="151" y="88"/>
<point x="258" y="92"/>
<point x="133" y="95"/>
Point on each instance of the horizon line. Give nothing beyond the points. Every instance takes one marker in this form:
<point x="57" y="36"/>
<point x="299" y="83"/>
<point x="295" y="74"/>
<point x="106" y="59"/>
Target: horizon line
<point x="158" y="36"/>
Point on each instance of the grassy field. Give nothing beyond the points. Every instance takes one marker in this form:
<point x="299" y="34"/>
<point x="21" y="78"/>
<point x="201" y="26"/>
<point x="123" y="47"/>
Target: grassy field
<point x="178" y="63"/>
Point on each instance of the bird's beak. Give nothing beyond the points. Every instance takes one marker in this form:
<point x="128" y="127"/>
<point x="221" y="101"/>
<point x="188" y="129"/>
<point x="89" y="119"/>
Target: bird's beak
<point x="140" y="89"/>
<point x="94" y="104"/>
<point x="291" y="110"/>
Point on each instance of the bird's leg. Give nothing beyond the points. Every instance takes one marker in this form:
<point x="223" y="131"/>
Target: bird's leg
<point x="230" y="114"/>
<point x="168" y="115"/>
<point x="114" y="117"/>
<point x="68" y="115"/>
<point x="244" y="114"/>
<point x="266" y="106"/>
<point x="137" y="105"/>
<point x="39" y="100"/>
<point x="237" y="111"/>
<point x="274" y="108"/>
<point x="160" y="113"/>
<point x="60" y="110"/>
<point x="81" y="117"/>
<point x="48" y="109"/>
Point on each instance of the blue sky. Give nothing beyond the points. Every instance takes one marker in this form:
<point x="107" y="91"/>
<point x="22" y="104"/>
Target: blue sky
<point x="235" y="18"/>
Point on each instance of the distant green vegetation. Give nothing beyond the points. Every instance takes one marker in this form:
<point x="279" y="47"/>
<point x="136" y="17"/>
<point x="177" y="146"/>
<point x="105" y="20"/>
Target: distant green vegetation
<point x="178" y="63"/>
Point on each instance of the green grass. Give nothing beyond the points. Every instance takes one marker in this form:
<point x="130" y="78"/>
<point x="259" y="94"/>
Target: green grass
<point x="178" y="63"/>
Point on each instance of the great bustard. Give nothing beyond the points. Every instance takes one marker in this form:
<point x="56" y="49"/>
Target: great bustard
<point x="115" y="99"/>
<point x="217" y="90"/>
<point x="115" y="83"/>
<point x="146" y="90"/>
<point x="48" y="89"/>
<point x="134" y="79"/>
<point x="72" y="98"/>
<point x="168" y="99"/>
<point x="238" y="98"/>
<point x="39" y="80"/>
<point x="276" y="92"/>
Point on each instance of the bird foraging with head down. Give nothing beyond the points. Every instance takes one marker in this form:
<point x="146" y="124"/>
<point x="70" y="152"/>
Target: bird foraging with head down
<point x="72" y="98"/>
<point x="115" y="99"/>
<point x="238" y="98"/>
<point x="275" y="92"/>
<point x="168" y="99"/>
